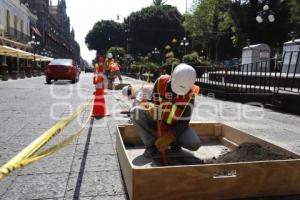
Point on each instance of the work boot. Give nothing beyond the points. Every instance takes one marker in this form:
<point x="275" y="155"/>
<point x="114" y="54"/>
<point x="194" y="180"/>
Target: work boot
<point x="151" y="152"/>
<point x="175" y="147"/>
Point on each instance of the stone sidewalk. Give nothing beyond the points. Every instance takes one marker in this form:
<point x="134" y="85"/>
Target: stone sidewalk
<point x="89" y="168"/>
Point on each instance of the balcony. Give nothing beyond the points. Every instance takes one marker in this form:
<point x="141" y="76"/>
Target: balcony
<point x="16" y="35"/>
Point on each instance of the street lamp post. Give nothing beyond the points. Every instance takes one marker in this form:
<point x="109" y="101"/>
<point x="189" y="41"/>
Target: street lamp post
<point x="184" y="43"/>
<point x="156" y="53"/>
<point x="266" y="14"/>
<point x="34" y="43"/>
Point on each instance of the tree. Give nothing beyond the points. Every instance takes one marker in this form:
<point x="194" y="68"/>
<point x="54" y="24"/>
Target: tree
<point x="117" y="51"/>
<point x="222" y="27"/>
<point x="158" y="2"/>
<point x="105" y="34"/>
<point x="294" y="7"/>
<point x="210" y="26"/>
<point x="153" y="27"/>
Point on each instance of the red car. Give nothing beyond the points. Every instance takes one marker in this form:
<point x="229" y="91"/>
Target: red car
<point x="62" y="69"/>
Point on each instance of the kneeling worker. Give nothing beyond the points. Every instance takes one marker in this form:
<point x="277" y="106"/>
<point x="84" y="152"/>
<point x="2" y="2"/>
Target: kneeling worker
<point x="173" y="101"/>
<point x="139" y="93"/>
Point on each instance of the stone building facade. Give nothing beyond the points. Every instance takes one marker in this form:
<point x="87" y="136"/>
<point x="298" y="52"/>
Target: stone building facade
<point x="53" y="29"/>
<point x="14" y="20"/>
<point x="15" y="29"/>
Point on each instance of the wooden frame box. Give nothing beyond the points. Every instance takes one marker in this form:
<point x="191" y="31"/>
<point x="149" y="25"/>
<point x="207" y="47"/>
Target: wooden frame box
<point x="195" y="182"/>
<point x="120" y="86"/>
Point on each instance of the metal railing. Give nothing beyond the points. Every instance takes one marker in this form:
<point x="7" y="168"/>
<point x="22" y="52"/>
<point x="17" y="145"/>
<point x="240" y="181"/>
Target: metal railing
<point x="15" y="34"/>
<point x="273" y="76"/>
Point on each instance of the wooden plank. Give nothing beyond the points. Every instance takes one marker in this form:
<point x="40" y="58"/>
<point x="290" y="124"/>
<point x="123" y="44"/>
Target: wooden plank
<point x="204" y="128"/>
<point x="215" y="181"/>
<point x="218" y="130"/>
<point x="125" y="164"/>
<point x="239" y="137"/>
<point x="119" y="86"/>
<point x="129" y="132"/>
<point x="231" y="145"/>
<point x="243" y="180"/>
<point x="130" y="135"/>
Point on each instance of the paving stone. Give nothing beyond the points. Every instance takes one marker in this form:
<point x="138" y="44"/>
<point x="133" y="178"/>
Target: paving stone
<point x="107" y="183"/>
<point x="29" y="131"/>
<point x="4" y="158"/>
<point x="58" y="165"/>
<point x="6" y="183"/>
<point x="38" y="186"/>
<point x="95" y="163"/>
<point x="66" y="151"/>
<point x="99" y="136"/>
<point x="95" y="149"/>
<point x="114" y="197"/>
<point x="101" y="123"/>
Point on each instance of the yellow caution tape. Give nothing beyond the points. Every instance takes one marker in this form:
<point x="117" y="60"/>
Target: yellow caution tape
<point x="26" y="156"/>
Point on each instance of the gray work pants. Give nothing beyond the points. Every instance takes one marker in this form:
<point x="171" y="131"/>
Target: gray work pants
<point x="147" y="130"/>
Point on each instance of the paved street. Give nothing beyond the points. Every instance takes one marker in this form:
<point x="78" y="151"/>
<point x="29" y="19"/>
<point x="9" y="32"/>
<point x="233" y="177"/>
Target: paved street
<point x="89" y="168"/>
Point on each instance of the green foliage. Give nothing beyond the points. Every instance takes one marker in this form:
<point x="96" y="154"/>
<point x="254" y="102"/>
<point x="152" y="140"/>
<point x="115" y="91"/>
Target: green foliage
<point x="117" y="51"/>
<point x="222" y="27"/>
<point x="172" y="61"/>
<point x="210" y="23"/>
<point x="152" y="66"/>
<point x="294" y="7"/>
<point x="105" y="33"/>
<point x="153" y="27"/>
<point x="158" y="2"/>
<point x="192" y="59"/>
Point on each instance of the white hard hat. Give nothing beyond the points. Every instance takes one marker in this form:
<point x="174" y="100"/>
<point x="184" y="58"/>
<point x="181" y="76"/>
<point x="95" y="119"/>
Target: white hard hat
<point x="109" y="55"/>
<point x="183" y="78"/>
<point x="125" y="91"/>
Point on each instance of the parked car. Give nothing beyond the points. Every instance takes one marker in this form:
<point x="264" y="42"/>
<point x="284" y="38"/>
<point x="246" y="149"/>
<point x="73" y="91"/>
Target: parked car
<point x="232" y="62"/>
<point x="62" y="69"/>
<point x="89" y="69"/>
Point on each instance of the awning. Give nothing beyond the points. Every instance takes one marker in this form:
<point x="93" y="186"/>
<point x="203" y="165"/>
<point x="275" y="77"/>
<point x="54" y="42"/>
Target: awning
<point x="12" y="52"/>
<point x="17" y="53"/>
<point x="36" y="31"/>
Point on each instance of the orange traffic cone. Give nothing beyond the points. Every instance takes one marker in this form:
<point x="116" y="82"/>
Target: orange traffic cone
<point x="99" y="108"/>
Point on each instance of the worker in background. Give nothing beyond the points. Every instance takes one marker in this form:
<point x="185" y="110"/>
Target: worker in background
<point x="171" y="109"/>
<point x="114" y="72"/>
<point x="108" y="61"/>
<point x="139" y="93"/>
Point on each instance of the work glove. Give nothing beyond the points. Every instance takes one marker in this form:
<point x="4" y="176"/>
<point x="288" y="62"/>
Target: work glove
<point x="151" y="110"/>
<point x="163" y="142"/>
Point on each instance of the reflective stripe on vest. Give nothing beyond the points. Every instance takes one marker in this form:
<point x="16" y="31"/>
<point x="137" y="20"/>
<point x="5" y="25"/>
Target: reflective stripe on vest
<point x="160" y="99"/>
<point x="171" y="115"/>
<point x="174" y="111"/>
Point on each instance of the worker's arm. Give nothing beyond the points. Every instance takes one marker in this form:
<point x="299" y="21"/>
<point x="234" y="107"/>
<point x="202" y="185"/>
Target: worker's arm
<point x="154" y="91"/>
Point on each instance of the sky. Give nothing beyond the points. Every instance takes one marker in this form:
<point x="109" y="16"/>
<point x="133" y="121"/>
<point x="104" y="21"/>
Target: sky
<point x="85" y="13"/>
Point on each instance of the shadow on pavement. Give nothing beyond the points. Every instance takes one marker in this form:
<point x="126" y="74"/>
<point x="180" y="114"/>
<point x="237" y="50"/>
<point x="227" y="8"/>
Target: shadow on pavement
<point x="83" y="162"/>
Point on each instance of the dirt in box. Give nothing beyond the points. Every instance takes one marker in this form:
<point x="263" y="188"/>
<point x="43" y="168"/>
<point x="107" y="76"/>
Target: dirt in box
<point x="247" y="152"/>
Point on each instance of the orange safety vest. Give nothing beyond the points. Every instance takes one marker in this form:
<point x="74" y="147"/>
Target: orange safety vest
<point x="107" y="63"/>
<point x="114" y="67"/>
<point x="172" y="107"/>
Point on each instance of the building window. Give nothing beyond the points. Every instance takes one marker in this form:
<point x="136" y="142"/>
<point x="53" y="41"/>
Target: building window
<point x="16" y="22"/>
<point x="7" y="21"/>
<point x="22" y="26"/>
